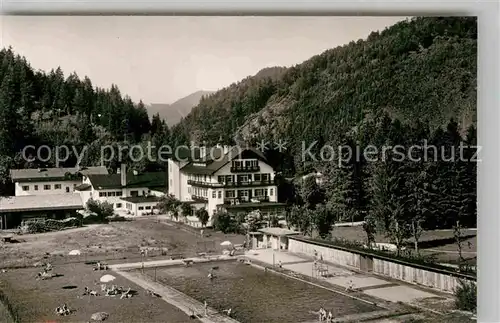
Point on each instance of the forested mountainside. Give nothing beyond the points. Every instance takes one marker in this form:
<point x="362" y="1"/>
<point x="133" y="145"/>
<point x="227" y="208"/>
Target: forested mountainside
<point x="38" y="108"/>
<point x="420" y="69"/>
<point x="174" y="112"/>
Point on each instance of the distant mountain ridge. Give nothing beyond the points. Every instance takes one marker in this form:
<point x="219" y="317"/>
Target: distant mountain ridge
<point x="174" y="112"/>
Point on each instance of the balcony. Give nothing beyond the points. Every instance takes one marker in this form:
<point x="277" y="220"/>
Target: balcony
<point x="249" y="183"/>
<point x="245" y="169"/>
<point x="204" y="184"/>
<point x="231" y="184"/>
<point x="253" y="199"/>
<point x="198" y="198"/>
<point x="260" y="198"/>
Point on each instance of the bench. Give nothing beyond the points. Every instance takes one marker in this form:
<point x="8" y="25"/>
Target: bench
<point x="175" y="256"/>
<point x="7" y="239"/>
<point x="187" y="262"/>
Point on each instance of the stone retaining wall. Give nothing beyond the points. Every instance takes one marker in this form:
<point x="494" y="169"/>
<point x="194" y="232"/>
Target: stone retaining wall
<point x="415" y="274"/>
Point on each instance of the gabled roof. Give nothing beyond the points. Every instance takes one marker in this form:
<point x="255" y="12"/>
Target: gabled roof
<point x="83" y="187"/>
<point x="215" y="159"/>
<point x="49" y="174"/>
<point x="148" y="180"/>
<point x="68" y="201"/>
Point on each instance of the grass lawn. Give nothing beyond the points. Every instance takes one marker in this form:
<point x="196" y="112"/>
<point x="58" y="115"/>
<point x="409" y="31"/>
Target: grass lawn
<point x="35" y="300"/>
<point x="439" y="243"/>
<point x="254" y="295"/>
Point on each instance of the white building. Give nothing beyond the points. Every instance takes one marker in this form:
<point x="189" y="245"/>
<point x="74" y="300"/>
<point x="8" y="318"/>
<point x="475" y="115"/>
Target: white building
<point x="236" y="179"/>
<point x="51" y="181"/>
<point x="128" y="191"/>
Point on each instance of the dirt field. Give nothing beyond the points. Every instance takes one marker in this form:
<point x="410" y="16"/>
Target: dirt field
<point x="112" y="242"/>
<point x="35" y="300"/>
<point x="439" y="243"/>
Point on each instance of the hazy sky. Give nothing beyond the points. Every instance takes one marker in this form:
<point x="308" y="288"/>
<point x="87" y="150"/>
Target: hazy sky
<point x="161" y="59"/>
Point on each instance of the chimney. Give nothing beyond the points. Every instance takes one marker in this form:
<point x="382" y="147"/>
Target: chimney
<point x="225" y="149"/>
<point x="123" y="173"/>
<point x="203" y="151"/>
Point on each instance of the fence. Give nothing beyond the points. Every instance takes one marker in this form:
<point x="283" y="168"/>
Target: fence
<point x="440" y="279"/>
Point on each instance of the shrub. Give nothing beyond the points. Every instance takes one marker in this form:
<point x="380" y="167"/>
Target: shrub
<point x="224" y="222"/>
<point x="466" y="295"/>
<point x="48" y="225"/>
<point x="103" y="211"/>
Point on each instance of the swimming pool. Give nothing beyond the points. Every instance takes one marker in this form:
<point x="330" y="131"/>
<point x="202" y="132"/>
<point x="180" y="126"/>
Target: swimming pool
<point x="254" y="295"/>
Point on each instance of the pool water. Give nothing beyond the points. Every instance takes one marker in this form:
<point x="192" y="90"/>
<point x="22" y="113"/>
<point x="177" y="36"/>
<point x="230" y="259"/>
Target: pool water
<point x="255" y="295"/>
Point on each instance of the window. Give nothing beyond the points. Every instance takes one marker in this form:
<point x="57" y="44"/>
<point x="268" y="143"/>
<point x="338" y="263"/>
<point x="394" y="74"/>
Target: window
<point x="118" y="193"/>
<point x="101" y="194"/>
<point x="67" y="189"/>
<point x="270" y="192"/>
<point x="219" y="193"/>
<point x="243" y="193"/>
<point x="260" y="192"/>
<point x="57" y="186"/>
<point x="26" y="188"/>
<point x="214" y="194"/>
<point x="46" y="187"/>
<point x="36" y="187"/>
<point x="141" y="208"/>
<point x="118" y="205"/>
<point x="220" y="179"/>
<point x="255" y="163"/>
<point x="148" y="207"/>
<point x="257" y="177"/>
<point x="74" y="185"/>
<point x="243" y="178"/>
<point x="229" y="194"/>
<point x="111" y="193"/>
<point x="265" y="177"/>
<point x="134" y="193"/>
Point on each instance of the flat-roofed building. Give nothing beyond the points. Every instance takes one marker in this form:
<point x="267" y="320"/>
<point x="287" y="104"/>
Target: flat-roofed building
<point x="15" y="209"/>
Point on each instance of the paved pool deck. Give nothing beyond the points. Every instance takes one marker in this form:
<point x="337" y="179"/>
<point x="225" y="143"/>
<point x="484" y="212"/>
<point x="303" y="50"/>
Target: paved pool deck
<point x="387" y="290"/>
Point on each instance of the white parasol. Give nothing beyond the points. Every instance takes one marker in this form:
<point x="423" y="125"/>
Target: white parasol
<point x="107" y="278"/>
<point x="226" y="243"/>
<point x="75" y="252"/>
